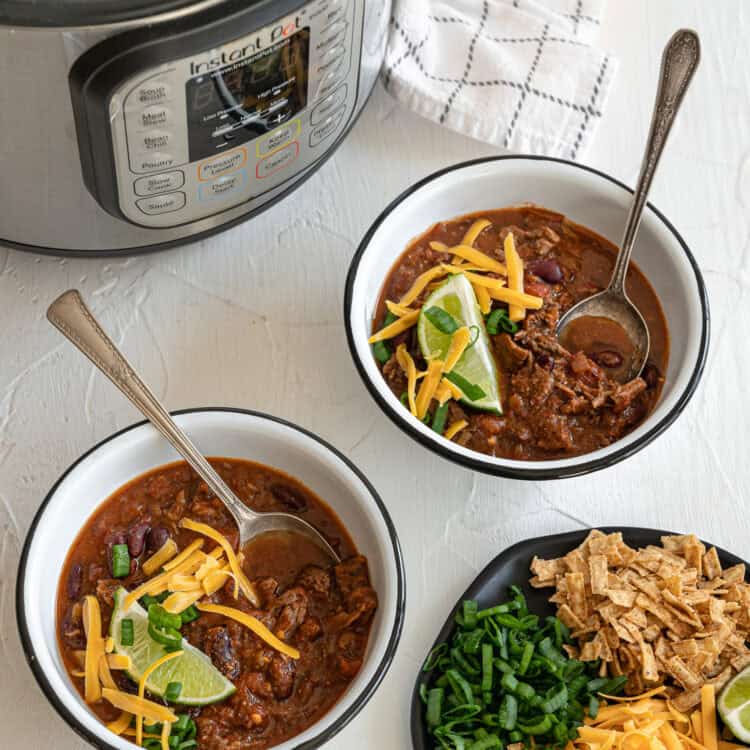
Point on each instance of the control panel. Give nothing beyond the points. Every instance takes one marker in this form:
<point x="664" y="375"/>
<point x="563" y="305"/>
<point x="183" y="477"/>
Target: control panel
<point x="199" y="135"/>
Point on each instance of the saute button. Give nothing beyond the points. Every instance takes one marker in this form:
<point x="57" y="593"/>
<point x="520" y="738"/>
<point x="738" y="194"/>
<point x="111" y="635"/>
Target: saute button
<point x="149" y="92"/>
<point x="223" y="164"/>
<point x="276" y="161"/>
<point x="326" y="128"/>
<point x="151" y="162"/>
<point x="159" y="183"/>
<point x="329" y="104"/>
<point x="161" y="204"/>
<point x="223" y="186"/>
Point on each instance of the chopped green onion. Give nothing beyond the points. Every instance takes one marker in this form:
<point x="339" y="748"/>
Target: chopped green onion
<point x="438" y="422"/>
<point x="593" y="707"/>
<point x="173" y="691"/>
<point x="498" y="321"/>
<point x="120" y="561"/>
<point x="486" y="667"/>
<point x="486" y="743"/>
<point x="170" y="638"/>
<point x="381" y="349"/>
<point x="434" y="706"/>
<point x="182" y="723"/>
<point x="528" y="652"/>
<point x="127" y="634"/>
<point x="470" y="614"/>
<point x="471" y="391"/>
<point x="189" y="614"/>
<point x="443" y="321"/>
<point x="163" y="619"/>
<point x="508" y="713"/>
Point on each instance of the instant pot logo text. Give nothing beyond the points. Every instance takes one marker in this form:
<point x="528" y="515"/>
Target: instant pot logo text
<point x="261" y="41"/>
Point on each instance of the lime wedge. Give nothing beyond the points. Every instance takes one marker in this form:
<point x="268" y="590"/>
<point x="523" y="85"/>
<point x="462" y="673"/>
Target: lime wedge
<point x="477" y="364"/>
<point x="201" y="682"/>
<point x="734" y="705"/>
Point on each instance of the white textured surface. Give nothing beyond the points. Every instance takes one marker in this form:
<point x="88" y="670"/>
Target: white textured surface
<point x="252" y="318"/>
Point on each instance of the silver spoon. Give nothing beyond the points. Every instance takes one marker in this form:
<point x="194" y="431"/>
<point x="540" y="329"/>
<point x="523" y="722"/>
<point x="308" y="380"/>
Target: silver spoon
<point x="678" y="63"/>
<point x="73" y="318"/>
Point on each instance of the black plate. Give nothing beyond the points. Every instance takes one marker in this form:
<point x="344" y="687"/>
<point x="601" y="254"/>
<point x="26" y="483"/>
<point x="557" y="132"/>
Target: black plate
<point x="512" y="567"/>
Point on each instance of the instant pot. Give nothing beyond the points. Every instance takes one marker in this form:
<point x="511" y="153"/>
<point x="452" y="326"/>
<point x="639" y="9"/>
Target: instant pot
<point x="130" y="125"/>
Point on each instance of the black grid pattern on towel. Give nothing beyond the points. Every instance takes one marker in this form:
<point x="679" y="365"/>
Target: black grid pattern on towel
<point x="587" y="109"/>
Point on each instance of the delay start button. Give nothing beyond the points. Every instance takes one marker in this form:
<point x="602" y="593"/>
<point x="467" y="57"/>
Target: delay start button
<point x="223" y="164"/>
<point x="162" y="204"/>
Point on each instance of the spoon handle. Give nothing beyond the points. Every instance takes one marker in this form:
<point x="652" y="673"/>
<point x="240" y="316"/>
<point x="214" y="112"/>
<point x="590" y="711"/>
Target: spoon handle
<point x="72" y="317"/>
<point x="678" y="63"/>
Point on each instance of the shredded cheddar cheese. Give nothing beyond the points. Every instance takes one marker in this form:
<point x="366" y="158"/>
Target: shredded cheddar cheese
<point x="410" y="369"/>
<point x="513" y="297"/>
<point x="428" y="387"/>
<point x="166" y="728"/>
<point x="183" y="582"/>
<point x="475" y="230"/>
<point x="483" y="298"/>
<point x="253" y="624"/>
<point x="420" y="283"/>
<point x="179" y="601"/>
<point x="160" y="583"/>
<point x="398" y="310"/>
<point x="455" y="428"/>
<point x="443" y="393"/>
<point x="177" y="561"/>
<point x="163" y="555"/>
<point x="482" y="261"/>
<point x="708" y="717"/>
<point x="105" y="676"/>
<point x="459" y="341"/>
<point x="121" y="723"/>
<point x="475" y="278"/>
<point x="92" y="625"/>
<point x="398" y="326"/>
<point x="241" y="581"/>
<point x="119" y="661"/>
<point x="135" y="705"/>
<point x="142" y="691"/>
<point x="515" y="276"/>
<point x="453" y="388"/>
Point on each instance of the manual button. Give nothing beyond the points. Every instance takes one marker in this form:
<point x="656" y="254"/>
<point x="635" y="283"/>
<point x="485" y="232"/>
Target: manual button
<point x="162" y="204"/>
<point x="159" y="183"/>
<point x="223" y="164"/>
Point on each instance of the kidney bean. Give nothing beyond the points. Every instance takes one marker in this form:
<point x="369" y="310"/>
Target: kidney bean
<point x="75" y="581"/>
<point x="137" y="538"/>
<point x="545" y="361"/>
<point x="156" y="538"/>
<point x="133" y="566"/>
<point x="549" y="270"/>
<point x="651" y="375"/>
<point x="289" y="497"/>
<point x="608" y="358"/>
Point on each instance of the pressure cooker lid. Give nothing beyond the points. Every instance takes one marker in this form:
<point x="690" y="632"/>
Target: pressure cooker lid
<point x="58" y="13"/>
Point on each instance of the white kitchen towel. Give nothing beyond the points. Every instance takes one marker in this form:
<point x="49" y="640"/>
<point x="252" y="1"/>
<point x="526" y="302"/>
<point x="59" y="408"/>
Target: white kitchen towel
<point x="521" y="74"/>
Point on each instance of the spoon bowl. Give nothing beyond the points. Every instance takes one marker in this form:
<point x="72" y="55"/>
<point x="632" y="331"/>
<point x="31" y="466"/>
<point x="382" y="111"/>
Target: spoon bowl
<point x="678" y="64"/>
<point x="70" y="315"/>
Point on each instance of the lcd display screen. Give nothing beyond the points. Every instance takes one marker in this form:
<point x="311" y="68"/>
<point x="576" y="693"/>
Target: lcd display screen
<point x="242" y="100"/>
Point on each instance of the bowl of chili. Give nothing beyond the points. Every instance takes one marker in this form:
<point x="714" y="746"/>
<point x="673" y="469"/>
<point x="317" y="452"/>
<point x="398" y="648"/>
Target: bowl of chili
<point x="417" y="238"/>
<point x="134" y="471"/>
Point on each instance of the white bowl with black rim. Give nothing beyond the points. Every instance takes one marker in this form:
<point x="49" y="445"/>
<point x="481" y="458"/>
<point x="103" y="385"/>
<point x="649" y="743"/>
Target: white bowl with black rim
<point x="586" y="196"/>
<point x="229" y="433"/>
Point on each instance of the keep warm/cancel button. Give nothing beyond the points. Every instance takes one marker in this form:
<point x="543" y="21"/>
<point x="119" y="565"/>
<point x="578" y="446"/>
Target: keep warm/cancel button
<point x="161" y="204"/>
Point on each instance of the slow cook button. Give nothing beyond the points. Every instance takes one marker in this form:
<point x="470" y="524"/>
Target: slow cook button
<point x="222" y="186"/>
<point x="159" y="183"/>
<point x="276" y="161"/>
<point x="329" y="104"/>
<point x="161" y="204"/>
<point x="277" y="138"/>
<point x="324" y="130"/>
<point x="223" y="164"/>
<point x="151" y="162"/>
<point x="148" y="93"/>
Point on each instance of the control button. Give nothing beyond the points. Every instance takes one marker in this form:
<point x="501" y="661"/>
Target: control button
<point x="332" y="58"/>
<point x="276" y="161"/>
<point x="223" y="164"/>
<point x="327" y="127"/>
<point x="222" y="186"/>
<point x="277" y="138"/>
<point x="152" y="141"/>
<point x="162" y="204"/>
<point x="149" y="92"/>
<point x="332" y="33"/>
<point x="152" y="162"/>
<point x="328" y="82"/>
<point x="159" y="183"/>
<point x="329" y="104"/>
<point x="152" y="117"/>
